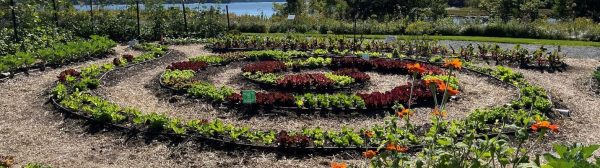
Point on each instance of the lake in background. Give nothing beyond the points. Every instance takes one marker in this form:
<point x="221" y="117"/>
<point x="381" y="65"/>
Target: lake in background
<point x="238" y="8"/>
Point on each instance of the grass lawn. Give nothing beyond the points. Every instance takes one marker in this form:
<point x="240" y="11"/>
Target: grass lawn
<point x="465" y="38"/>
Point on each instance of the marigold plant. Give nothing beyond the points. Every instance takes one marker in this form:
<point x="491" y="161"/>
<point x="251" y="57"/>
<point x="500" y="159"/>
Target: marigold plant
<point x="453" y="63"/>
<point x="369" y="154"/>
<point x="544" y="125"/>
<point x="416" y="68"/>
<point x="404" y="112"/>
<point x="338" y="165"/>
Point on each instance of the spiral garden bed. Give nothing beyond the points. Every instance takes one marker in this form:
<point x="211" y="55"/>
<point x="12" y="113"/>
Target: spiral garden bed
<point x="74" y="94"/>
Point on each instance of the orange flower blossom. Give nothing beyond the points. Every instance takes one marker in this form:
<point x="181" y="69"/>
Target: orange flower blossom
<point x="436" y="112"/>
<point x="338" y="165"/>
<point x="442" y="88"/>
<point x="432" y="81"/>
<point x="404" y="112"/>
<point x="369" y="133"/>
<point x="416" y="68"/>
<point x="544" y="125"/>
<point x="369" y="154"/>
<point x="397" y="148"/>
<point x="453" y="63"/>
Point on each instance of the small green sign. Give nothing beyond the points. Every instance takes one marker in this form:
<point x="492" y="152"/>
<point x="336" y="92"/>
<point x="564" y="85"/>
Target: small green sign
<point x="248" y="96"/>
<point x="365" y="56"/>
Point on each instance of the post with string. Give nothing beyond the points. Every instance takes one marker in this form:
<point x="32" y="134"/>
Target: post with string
<point x="137" y="10"/>
<point x="14" y="20"/>
<point x="184" y="17"/>
<point x="227" y="13"/>
<point x="92" y="16"/>
<point x="55" y="12"/>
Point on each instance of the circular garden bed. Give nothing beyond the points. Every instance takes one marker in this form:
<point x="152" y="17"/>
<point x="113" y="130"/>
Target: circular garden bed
<point x="281" y="90"/>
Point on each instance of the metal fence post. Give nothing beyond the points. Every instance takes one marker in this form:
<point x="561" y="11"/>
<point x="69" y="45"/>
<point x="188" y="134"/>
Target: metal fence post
<point x="137" y="8"/>
<point x="55" y="12"/>
<point x="227" y="13"/>
<point x="92" y="16"/>
<point x="184" y="17"/>
<point x="14" y="20"/>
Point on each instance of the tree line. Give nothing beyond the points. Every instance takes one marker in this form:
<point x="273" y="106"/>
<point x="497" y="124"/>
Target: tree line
<point x="419" y="9"/>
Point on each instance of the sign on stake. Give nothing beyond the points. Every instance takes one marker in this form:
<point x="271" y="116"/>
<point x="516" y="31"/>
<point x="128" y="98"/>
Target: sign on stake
<point x="248" y="96"/>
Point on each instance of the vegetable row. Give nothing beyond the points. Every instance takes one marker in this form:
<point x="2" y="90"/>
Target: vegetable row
<point x="58" y="54"/>
<point x="423" y="49"/>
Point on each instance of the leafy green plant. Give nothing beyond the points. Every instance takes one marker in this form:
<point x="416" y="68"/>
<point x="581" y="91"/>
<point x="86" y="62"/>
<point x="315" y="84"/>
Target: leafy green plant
<point x="340" y="80"/>
<point x="36" y="165"/>
<point x="571" y="156"/>
<point x="176" y="126"/>
<point x="337" y="100"/>
<point x="269" y="78"/>
<point x="210" y="59"/>
<point x="173" y="77"/>
<point x="311" y="62"/>
<point x="508" y="75"/>
<point x="209" y="91"/>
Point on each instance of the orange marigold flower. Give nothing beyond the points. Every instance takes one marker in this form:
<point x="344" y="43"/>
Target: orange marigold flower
<point x="453" y="63"/>
<point x="442" y="88"/>
<point x="416" y="68"/>
<point x="433" y="80"/>
<point x="404" y="112"/>
<point x="436" y="112"/>
<point x="338" y="165"/>
<point x="401" y="149"/>
<point x="397" y="148"/>
<point x="369" y="154"/>
<point x="390" y="147"/>
<point x="369" y="133"/>
<point x="544" y="125"/>
<point x="453" y="91"/>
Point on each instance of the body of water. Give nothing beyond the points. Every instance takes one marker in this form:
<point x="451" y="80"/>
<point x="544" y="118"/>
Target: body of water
<point x="238" y="8"/>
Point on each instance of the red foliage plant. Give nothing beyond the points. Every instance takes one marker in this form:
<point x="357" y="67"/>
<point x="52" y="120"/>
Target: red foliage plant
<point x="128" y="57"/>
<point x="62" y="77"/>
<point x="351" y="62"/>
<point x="235" y="98"/>
<point x="265" y="67"/>
<point x="388" y="65"/>
<point x="117" y="61"/>
<point x="274" y="98"/>
<point x="285" y="139"/>
<point x="303" y="81"/>
<point x="188" y="65"/>
<point x="399" y="94"/>
<point x="359" y="76"/>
